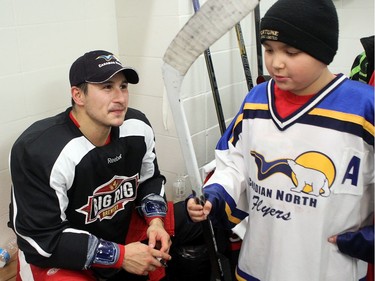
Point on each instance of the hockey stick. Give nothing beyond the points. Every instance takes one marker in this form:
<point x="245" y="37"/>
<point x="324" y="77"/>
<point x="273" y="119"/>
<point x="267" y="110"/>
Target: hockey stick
<point x="257" y="40"/>
<point x="261" y="77"/>
<point x="173" y="80"/>
<point x="219" y="266"/>
<point x="245" y="61"/>
<point x="212" y="21"/>
<point x="212" y="76"/>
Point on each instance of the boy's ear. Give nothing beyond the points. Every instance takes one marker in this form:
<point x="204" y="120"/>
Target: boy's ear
<point x="77" y="95"/>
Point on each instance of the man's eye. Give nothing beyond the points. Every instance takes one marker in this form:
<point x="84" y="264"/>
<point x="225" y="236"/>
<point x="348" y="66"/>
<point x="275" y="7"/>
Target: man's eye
<point x="107" y="86"/>
<point x="124" y="86"/>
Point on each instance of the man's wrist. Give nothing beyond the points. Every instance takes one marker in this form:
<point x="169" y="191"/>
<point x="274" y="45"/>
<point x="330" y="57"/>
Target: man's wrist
<point x="108" y="255"/>
<point x="156" y="221"/>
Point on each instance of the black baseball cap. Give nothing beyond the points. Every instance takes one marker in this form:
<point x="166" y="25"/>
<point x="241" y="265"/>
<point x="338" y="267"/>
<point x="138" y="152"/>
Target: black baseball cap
<point x="97" y="67"/>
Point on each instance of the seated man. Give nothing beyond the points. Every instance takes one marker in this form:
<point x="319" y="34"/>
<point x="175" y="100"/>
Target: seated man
<point x="78" y="178"/>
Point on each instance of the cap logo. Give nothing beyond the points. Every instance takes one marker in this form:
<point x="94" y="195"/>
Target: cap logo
<point x="268" y="34"/>
<point x="108" y="59"/>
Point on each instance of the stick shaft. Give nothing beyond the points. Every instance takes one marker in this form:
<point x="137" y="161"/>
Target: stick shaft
<point x="203" y="29"/>
<point x="215" y="91"/>
<point x="213" y="82"/>
<point x="257" y="39"/>
<point x="211" y="22"/>
<point x="207" y="228"/>
<point x="245" y="61"/>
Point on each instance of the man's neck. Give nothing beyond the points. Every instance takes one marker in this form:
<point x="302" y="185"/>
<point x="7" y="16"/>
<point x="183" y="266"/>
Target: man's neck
<point x="96" y="134"/>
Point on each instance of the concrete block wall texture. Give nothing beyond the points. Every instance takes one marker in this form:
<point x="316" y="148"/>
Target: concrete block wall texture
<point x="41" y="38"/>
<point x="39" y="41"/>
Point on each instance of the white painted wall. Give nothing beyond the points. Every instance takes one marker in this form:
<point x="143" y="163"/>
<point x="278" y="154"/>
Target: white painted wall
<point x="41" y="38"/>
<point x="39" y="41"/>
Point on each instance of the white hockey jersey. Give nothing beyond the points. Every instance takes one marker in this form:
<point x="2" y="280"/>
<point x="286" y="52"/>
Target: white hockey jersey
<point x="299" y="180"/>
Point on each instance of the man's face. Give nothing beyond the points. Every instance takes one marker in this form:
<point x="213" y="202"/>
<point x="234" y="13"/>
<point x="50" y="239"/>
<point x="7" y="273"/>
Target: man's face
<point x="106" y="103"/>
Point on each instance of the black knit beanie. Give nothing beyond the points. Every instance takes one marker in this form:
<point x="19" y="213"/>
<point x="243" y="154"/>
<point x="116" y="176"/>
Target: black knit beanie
<point x="308" y="25"/>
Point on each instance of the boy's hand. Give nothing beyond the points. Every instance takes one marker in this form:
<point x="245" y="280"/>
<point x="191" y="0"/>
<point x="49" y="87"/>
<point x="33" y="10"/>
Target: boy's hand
<point x="198" y="212"/>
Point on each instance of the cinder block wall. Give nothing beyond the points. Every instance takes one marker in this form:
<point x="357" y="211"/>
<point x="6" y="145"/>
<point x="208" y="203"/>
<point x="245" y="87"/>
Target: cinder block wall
<point x="41" y="38"/>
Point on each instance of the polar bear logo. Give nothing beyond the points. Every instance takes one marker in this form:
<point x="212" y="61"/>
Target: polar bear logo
<point x="306" y="176"/>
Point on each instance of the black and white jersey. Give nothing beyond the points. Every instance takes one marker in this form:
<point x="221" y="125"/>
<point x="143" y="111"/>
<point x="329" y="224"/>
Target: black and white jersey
<point x="64" y="187"/>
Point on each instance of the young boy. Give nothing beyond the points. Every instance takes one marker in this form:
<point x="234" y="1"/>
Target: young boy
<point x="298" y="159"/>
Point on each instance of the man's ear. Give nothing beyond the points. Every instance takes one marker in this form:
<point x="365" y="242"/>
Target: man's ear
<point x="77" y="95"/>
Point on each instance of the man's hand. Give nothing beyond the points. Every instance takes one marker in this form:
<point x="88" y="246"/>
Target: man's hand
<point x="140" y="258"/>
<point x="198" y="212"/>
<point x="158" y="237"/>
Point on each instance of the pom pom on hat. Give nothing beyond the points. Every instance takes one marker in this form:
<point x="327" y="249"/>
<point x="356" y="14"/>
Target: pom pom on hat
<point x="308" y="25"/>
